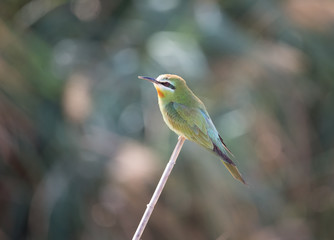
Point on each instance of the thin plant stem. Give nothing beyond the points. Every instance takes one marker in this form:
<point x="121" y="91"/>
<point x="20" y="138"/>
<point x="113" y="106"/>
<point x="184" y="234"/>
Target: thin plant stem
<point x="158" y="189"/>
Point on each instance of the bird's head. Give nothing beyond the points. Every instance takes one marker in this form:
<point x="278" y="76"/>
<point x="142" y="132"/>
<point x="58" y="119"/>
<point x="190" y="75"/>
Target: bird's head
<point x="167" y="85"/>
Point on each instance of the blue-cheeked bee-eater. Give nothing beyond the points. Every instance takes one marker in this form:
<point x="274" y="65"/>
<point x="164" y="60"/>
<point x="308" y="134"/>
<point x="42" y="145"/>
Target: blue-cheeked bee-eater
<point x="186" y="115"/>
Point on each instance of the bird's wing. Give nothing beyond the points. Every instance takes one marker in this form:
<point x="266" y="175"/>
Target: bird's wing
<point x="195" y="124"/>
<point x="218" y="142"/>
<point x="199" y="128"/>
<point x="214" y="132"/>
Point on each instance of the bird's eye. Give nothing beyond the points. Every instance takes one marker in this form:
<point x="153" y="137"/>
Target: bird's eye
<point x="167" y="84"/>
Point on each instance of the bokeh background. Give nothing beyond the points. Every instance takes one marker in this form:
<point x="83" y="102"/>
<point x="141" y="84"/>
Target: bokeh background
<point x="83" y="144"/>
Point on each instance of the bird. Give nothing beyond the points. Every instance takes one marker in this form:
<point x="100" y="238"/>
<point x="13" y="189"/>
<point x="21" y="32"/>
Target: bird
<point x="185" y="114"/>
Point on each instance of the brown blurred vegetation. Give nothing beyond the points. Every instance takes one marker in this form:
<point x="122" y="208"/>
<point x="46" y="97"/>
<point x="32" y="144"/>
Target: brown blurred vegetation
<point x="82" y="142"/>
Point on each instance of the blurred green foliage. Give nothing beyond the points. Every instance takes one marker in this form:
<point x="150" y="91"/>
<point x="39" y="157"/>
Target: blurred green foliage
<point x="82" y="142"/>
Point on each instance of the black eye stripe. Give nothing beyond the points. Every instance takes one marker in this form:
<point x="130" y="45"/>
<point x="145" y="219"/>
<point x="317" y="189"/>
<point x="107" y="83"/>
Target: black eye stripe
<point x="167" y="84"/>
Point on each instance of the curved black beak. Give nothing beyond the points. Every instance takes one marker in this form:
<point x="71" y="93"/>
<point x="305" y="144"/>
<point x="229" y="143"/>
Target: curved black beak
<point x="153" y="80"/>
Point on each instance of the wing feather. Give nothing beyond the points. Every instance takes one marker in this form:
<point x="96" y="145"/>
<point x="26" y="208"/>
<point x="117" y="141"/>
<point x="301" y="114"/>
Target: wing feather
<point x="190" y="122"/>
<point x="196" y="125"/>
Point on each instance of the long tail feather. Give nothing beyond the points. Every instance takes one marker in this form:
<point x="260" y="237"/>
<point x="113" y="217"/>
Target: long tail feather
<point x="234" y="171"/>
<point x="229" y="164"/>
<point x="222" y="155"/>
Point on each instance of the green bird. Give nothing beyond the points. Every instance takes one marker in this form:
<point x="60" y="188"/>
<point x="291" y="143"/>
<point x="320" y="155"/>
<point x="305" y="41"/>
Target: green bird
<point x="186" y="115"/>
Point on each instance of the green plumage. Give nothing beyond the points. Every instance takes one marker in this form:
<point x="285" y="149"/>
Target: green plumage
<point x="186" y="115"/>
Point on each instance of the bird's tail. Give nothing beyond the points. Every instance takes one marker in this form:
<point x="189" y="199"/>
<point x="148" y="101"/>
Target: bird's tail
<point x="234" y="171"/>
<point x="229" y="164"/>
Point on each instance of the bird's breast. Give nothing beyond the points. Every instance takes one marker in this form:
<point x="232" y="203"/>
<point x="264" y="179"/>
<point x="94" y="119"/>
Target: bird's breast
<point x="173" y="120"/>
